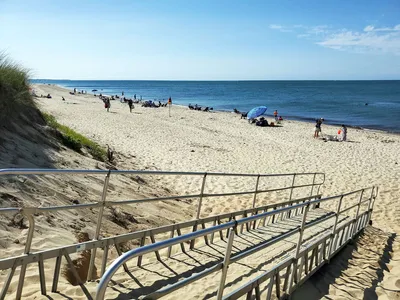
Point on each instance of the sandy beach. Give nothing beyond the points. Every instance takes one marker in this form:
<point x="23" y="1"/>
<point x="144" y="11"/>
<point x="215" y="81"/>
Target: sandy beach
<point x="222" y="142"/>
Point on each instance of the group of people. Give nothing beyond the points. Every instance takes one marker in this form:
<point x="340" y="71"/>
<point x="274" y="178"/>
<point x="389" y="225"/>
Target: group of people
<point x="197" y="107"/>
<point x="342" y="132"/>
<point x="107" y="102"/>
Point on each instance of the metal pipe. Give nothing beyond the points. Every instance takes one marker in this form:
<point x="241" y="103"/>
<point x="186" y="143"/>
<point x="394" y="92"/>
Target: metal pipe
<point x="291" y="190"/>
<point x="370" y="204"/>
<point x="312" y="187"/>
<point x="334" y="228"/>
<point x="98" y="227"/>
<point x="201" y="196"/>
<point x="255" y="191"/>
<point x="102" y="286"/>
<point x="225" y="264"/>
<point x="303" y="222"/>
<point x="26" y="251"/>
<point x="27" y="171"/>
<point x="356" y="217"/>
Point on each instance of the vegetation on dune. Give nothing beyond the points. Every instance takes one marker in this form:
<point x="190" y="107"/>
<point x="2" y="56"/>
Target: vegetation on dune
<point x="15" y="97"/>
<point x="18" y="107"/>
<point x="74" y="140"/>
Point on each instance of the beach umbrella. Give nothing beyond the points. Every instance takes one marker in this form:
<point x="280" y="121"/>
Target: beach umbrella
<point x="256" y="112"/>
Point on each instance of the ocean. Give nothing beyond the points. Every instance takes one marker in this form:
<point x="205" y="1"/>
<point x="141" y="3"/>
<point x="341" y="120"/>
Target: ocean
<point x="365" y="104"/>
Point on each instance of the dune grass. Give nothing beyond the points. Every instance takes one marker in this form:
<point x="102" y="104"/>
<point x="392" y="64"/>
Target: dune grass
<point x="74" y="140"/>
<point x="15" y="97"/>
<point x="16" y="104"/>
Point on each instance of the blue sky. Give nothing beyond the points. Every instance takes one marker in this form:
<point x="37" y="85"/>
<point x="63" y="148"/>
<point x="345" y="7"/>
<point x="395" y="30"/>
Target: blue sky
<point x="208" y="39"/>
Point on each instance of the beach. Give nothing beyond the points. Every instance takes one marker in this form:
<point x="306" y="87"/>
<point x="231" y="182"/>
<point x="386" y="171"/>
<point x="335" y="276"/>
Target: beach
<point x="222" y="142"/>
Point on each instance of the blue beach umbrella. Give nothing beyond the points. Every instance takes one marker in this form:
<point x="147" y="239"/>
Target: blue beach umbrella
<point x="256" y="112"/>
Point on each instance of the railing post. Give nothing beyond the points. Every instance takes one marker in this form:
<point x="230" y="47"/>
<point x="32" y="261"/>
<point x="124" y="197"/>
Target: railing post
<point x="99" y="220"/>
<point x="225" y="264"/>
<point x="313" y="182"/>
<point x="303" y="222"/>
<point x="28" y="244"/>
<point x="255" y="191"/>
<point x="291" y="190"/>
<point x="299" y="242"/>
<point x="319" y="185"/>
<point x="357" y="213"/>
<point x="370" y="204"/>
<point x="334" y="228"/>
<point x="201" y="196"/>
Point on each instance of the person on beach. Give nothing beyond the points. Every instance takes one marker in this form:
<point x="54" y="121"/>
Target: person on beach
<point x="134" y="96"/>
<point x="276" y="115"/>
<point x="130" y="104"/>
<point x="107" y="104"/>
<point x="343" y="133"/>
<point x="318" y="127"/>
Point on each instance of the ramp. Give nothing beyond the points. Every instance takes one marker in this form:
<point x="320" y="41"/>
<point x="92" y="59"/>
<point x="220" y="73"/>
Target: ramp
<point x="266" y="250"/>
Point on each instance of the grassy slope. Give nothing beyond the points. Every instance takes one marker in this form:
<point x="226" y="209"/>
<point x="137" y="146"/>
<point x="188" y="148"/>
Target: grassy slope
<point x="74" y="140"/>
<point x="18" y="107"/>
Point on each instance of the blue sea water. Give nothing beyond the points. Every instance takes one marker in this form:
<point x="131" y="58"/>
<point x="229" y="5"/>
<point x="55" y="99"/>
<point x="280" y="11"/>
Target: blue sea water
<point x="338" y="102"/>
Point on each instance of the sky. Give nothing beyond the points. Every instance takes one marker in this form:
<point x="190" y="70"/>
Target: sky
<point x="203" y="39"/>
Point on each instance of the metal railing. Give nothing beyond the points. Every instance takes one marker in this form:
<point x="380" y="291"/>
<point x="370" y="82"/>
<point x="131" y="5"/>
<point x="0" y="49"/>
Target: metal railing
<point x="29" y="212"/>
<point x="327" y="246"/>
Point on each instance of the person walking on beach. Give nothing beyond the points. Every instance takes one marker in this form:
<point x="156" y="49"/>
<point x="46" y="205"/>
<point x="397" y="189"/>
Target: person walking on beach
<point x="276" y="115"/>
<point x="130" y="103"/>
<point x="107" y="104"/>
<point x="134" y="96"/>
<point x="318" y="127"/>
<point x="343" y="132"/>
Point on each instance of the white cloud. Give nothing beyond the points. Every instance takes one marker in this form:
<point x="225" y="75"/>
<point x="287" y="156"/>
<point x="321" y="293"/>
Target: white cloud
<point x="315" y="30"/>
<point x="370" y="41"/>
<point x="280" y="28"/>
<point x="370" y="28"/>
<point x="274" y="26"/>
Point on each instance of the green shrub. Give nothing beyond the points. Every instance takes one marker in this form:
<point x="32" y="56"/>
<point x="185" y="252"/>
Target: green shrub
<point x="74" y="140"/>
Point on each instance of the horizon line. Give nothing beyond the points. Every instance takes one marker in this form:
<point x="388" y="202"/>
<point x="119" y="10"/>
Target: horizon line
<point x="232" y="80"/>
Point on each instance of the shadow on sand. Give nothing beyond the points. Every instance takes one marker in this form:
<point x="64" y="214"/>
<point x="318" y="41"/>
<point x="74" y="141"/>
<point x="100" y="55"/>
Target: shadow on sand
<point x="352" y="272"/>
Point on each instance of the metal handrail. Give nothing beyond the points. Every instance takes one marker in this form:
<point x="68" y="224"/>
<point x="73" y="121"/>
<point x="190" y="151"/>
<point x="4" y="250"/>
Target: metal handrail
<point x="30" y="211"/>
<point x="101" y="288"/>
<point x="22" y="171"/>
<point x="279" y="208"/>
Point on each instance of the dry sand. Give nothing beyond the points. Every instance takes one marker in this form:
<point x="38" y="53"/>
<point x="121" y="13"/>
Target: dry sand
<point x="221" y="142"/>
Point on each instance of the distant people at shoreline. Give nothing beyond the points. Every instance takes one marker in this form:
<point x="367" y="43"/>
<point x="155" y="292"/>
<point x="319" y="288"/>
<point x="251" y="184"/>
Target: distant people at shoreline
<point x="276" y="115"/>
<point x="318" y="124"/>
